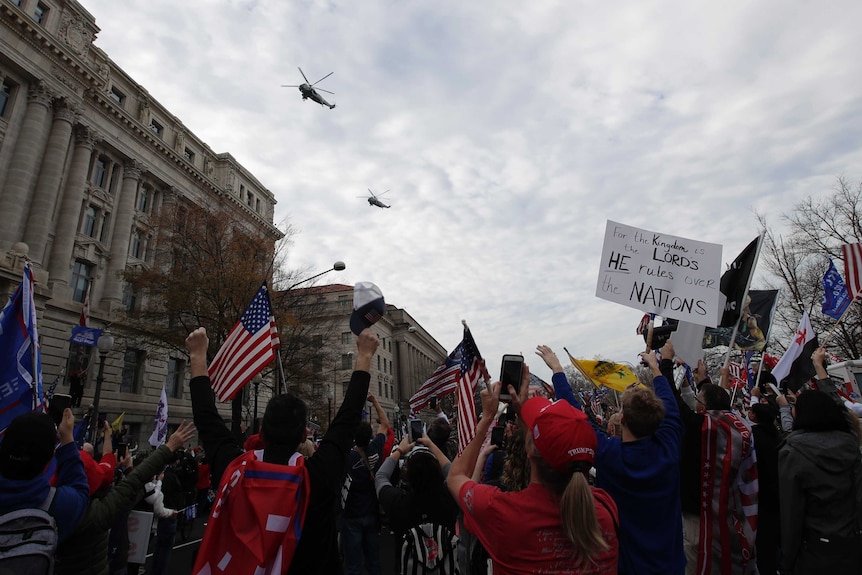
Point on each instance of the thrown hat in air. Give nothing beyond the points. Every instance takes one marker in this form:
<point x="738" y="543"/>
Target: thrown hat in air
<point x="562" y="434"/>
<point x="368" y="306"/>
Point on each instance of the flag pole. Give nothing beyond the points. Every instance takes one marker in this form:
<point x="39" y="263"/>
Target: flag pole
<point x="837" y="323"/>
<point x="578" y="366"/>
<point x="745" y="295"/>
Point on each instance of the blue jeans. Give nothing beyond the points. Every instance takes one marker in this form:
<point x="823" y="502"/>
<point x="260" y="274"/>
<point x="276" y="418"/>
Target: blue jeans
<point x="165" y="533"/>
<point x="361" y="535"/>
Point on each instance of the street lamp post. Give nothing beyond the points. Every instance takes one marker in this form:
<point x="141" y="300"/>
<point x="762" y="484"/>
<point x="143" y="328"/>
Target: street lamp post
<point x="105" y="344"/>
<point x="337" y="266"/>
<point x="256" y="422"/>
<point x="329" y="394"/>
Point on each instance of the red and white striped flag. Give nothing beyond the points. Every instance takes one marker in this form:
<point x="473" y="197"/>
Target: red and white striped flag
<point x="85" y="310"/>
<point x="853" y="269"/>
<point x="250" y="346"/>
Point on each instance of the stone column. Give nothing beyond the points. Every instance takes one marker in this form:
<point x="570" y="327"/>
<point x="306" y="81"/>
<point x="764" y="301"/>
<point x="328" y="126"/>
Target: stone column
<point x="48" y="185"/>
<point x="22" y="168"/>
<point x="124" y="209"/>
<point x="59" y="264"/>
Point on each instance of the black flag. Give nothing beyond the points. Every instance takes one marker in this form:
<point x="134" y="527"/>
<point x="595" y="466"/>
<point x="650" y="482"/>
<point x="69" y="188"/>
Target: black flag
<point x="734" y="282"/>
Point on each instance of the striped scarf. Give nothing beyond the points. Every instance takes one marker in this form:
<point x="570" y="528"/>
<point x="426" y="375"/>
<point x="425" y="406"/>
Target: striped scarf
<point x="728" y="514"/>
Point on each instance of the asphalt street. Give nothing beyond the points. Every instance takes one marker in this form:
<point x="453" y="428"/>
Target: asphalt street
<point x="183" y="554"/>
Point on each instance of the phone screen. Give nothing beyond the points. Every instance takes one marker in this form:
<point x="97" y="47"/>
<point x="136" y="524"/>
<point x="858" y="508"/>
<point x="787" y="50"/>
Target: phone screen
<point x="417" y="428"/>
<point x="497" y="436"/>
<point x="59" y="402"/>
<point x="122" y="450"/>
<point x="510" y="374"/>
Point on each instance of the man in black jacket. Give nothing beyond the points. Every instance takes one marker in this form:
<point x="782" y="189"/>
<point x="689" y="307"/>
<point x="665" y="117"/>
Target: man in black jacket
<point x="283" y="428"/>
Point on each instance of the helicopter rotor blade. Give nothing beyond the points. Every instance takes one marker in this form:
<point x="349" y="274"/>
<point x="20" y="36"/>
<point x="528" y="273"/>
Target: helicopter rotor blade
<point x="324" y="78"/>
<point x="370" y="192"/>
<point x="327" y="91"/>
<point x="383" y="193"/>
<point x="303" y="75"/>
<point x="289" y="86"/>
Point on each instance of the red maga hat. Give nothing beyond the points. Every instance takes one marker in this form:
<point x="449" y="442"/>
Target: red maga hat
<point x="562" y="434"/>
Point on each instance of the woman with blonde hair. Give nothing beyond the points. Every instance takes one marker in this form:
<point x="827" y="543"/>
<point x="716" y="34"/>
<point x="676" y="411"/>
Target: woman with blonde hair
<point x="558" y="524"/>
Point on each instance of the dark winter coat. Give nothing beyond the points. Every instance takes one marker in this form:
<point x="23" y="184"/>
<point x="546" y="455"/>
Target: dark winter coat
<point x="821" y="498"/>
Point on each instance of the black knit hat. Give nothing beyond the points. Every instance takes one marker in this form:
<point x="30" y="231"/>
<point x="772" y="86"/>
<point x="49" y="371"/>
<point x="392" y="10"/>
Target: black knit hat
<point x="28" y="445"/>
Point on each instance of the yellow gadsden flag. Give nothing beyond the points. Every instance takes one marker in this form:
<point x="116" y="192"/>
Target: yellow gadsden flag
<point x="115" y="426"/>
<point x="613" y="375"/>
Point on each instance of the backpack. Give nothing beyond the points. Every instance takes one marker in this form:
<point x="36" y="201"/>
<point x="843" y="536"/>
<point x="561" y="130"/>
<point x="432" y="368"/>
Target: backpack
<point x="429" y="548"/>
<point x="28" y="540"/>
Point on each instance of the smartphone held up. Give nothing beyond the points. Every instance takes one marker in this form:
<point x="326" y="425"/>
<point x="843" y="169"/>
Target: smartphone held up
<point x="511" y="370"/>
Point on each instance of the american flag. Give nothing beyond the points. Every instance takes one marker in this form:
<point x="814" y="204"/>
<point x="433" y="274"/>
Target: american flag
<point x="738" y="377"/>
<point x="250" y="346"/>
<point x="644" y="323"/>
<point x="85" y="310"/>
<point x="853" y="269"/>
<point x="460" y="371"/>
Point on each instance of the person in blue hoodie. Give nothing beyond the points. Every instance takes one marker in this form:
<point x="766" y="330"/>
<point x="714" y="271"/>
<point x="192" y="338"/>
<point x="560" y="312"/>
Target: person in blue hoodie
<point x="641" y="469"/>
<point x="27" y="450"/>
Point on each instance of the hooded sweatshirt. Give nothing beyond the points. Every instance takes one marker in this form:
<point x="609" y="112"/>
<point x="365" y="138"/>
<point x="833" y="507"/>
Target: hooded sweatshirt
<point x="70" y="500"/>
<point x="818" y="495"/>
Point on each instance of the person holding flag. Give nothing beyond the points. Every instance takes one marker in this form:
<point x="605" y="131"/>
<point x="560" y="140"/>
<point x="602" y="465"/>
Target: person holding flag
<point x="275" y="511"/>
<point x="21" y="373"/>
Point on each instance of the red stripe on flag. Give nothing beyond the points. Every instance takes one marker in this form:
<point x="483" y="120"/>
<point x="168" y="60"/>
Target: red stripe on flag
<point x="853" y="269"/>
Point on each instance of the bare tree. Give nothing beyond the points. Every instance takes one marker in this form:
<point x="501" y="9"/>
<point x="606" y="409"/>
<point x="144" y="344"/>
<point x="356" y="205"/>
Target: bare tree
<point x="817" y="228"/>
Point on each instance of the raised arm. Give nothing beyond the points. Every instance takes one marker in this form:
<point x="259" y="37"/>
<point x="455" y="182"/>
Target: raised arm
<point x="562" y="389"/>
<point x="218" y="442"/>
<point x="382" y="418"/>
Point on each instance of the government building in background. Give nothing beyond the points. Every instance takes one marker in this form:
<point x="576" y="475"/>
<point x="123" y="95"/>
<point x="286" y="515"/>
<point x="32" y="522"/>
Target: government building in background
<point x="87" y="160"/>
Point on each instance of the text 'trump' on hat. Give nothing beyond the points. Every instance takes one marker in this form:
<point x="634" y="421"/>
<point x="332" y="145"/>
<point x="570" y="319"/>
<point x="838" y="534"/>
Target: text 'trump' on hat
<point x="562" y="433"/>
<point x="368" y="306"/>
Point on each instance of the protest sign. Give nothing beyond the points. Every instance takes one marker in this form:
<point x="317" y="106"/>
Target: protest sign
<point x="659" y="273"/>
<point x="140" y="524"/>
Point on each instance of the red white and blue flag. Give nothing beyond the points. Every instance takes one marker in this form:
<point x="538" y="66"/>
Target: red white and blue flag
<point x="250" y="346"/>
<point x="852" y="254"/>
<point x="460" y="371"/>
<point x="21" y="368"/>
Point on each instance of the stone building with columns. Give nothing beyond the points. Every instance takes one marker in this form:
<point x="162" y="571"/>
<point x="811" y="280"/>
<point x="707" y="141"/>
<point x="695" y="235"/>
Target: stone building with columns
<point x="87" y="158"/>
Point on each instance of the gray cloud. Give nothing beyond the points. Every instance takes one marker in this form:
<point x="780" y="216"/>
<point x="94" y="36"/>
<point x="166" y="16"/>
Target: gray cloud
<point x="509" y="136"/>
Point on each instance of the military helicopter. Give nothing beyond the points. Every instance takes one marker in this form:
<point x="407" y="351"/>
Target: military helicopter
<point x="374" y="200"/>
<point x="309" y="91"/>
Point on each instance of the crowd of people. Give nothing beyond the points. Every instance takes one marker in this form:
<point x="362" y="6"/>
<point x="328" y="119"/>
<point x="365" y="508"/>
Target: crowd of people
<point x="675" y="478"/>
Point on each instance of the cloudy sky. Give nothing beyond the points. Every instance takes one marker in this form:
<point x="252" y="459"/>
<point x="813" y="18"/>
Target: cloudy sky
<point x="509" y="133"/>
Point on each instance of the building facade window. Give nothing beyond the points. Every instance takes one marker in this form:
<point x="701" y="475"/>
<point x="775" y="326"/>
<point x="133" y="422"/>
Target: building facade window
<point x="80" y="280"/>
<point x="7" y="89"/>
<point x="189" y="155"/>
<point x="89" y="227"/>
<point x="130" y="298"/>
<point x="136" y="245"/>
<point x="249" y="199"/>
<point x="103" y="232"/>
<point x="40" y="14"/>
<point x="157" y="128"/>
<point x="345" y="337"/>
<point x="100" y="172"/>
<point x="346" y="361"/>
<point x="257" y="205"/>
<point x="134" y="361"/>
<point x="116" y="95"/>
<point x="174" y="380"/>
<point x="143" y="199"/>
<point x="317" y="390"/>
<point x="344" y="301"/>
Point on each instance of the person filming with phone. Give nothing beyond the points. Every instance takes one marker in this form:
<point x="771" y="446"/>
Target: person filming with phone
<point x="558" y="524"/>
